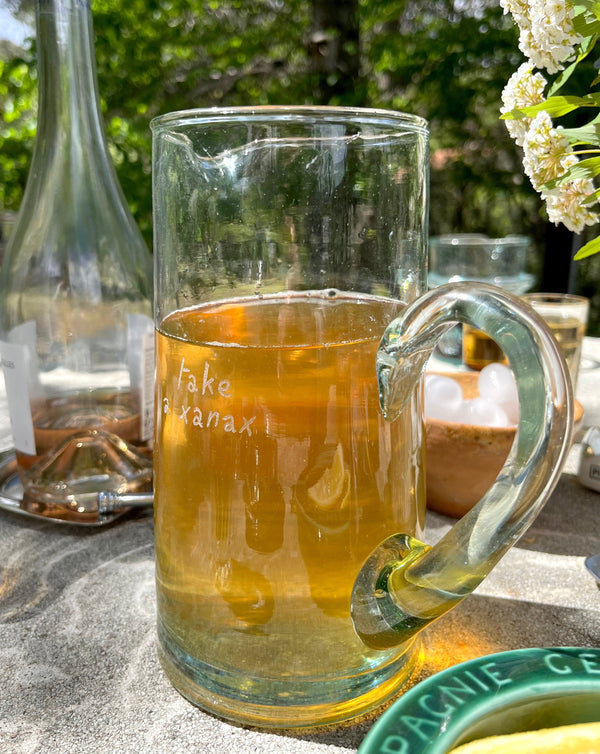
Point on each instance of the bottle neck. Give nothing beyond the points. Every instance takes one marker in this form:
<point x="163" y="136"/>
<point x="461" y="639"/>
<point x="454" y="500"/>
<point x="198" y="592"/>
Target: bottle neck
<point x="69" y="115"/>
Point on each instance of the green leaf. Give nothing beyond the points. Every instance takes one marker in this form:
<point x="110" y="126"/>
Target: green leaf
<point x="588" y="169"/>
<point x="586" y="134"/>
<point x="588" y="249"/>
<point x="585" y="48"/>
<point x="587" y="25"/>
<point x="555" y="106"/>
<point x="589" y="7"/>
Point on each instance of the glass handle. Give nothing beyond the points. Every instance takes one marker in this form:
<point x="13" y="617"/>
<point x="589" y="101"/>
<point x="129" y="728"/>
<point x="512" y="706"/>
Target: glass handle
<point x="405" y="584"/>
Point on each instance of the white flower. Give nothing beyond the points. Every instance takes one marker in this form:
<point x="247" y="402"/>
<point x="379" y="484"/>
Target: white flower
<point x="547" y="153"/>
<point x="524" y="88"/>
<point x="546" y="32"/>
<point x="566" y="205"/>
<point x="519" y="9"/>
<point x="547" y="37"/>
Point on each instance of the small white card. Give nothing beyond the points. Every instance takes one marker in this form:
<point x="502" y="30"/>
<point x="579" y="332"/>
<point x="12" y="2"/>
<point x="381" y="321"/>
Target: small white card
<point x="147" y="391"/>
<point x="16" y="366"/>
<point x="140" y="349"/>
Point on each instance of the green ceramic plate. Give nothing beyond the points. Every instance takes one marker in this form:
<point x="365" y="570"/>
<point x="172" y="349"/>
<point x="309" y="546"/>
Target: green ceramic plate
<point x="524" y="689"/>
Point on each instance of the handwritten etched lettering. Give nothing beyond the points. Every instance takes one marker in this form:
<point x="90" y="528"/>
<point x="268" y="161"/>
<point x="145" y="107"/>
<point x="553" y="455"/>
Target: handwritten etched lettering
<point x="182" y="370"/>
<point x="246" y="426"/>
<point x="192" y="387"/>
<point x="205" y="417"/>
<point x="207" y="381"/>
<point x="224" y="388"/>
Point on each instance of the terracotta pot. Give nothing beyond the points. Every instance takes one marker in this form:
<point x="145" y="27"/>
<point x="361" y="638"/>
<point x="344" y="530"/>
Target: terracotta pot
<point x="463" y="460"/>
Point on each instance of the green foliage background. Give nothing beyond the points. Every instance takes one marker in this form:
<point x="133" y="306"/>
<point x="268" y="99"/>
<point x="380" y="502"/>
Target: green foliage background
<point x="447" y="60"/>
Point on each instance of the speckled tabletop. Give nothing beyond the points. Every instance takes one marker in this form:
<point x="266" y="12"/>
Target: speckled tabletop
<point x="78" y="663"/>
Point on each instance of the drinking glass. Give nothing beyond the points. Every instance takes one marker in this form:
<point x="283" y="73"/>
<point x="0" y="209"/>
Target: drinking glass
<point x="566" y="315"/>
<point x="475" y="256"/>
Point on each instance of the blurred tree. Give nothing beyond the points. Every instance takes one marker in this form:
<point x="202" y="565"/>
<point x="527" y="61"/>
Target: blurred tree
<point x="447" y="61"/>
<point x="155" y="56"/>
<point x="334" y="53"/>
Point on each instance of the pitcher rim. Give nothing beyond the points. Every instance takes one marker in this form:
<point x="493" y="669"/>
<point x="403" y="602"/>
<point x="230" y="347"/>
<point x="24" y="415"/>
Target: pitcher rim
<point x="288" y="113"/>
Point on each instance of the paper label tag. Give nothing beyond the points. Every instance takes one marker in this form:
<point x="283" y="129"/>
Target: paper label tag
<point x="147" y="387"/>
<point x="140" y="347"/>
<point x="16" y="367"/>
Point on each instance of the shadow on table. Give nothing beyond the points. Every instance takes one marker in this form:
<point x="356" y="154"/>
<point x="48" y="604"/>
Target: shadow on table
<point x="481" y="625"/>
<point x="569" y="523"/>
<point x="40" y="560"/>
<point x="476" y="627"/>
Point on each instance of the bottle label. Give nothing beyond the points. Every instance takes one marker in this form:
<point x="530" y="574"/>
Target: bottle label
<point x="140" y="346"/>
<point x="147" y="393"/>
<point x="16" y="366"/>
<point x="21" y="377"/>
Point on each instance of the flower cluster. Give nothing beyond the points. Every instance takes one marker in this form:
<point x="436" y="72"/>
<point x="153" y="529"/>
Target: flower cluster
<point x="524" y="88"/>
<point x="546" y="32"/>
<point x="550" y="37"/>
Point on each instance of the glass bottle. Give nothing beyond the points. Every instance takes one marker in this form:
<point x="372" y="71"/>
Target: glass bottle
<point x="75" y="293"/>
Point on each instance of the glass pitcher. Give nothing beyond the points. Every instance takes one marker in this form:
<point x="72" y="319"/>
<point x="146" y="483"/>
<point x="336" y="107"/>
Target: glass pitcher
<point x="292" y="331"/>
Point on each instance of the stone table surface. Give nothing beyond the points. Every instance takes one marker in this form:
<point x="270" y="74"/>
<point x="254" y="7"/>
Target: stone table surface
<point x="78" y="663"/>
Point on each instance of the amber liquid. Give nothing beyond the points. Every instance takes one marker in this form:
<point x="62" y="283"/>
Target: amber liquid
<point x="479" y="350"/>
<point x="568" y="332"/>
<point x="70" y="459"/>
<point x="275" y="477"/>
<point x="55" y="419"/>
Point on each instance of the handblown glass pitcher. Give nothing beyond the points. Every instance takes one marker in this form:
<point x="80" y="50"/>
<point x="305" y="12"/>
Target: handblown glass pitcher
<point x="290" y="248"/>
